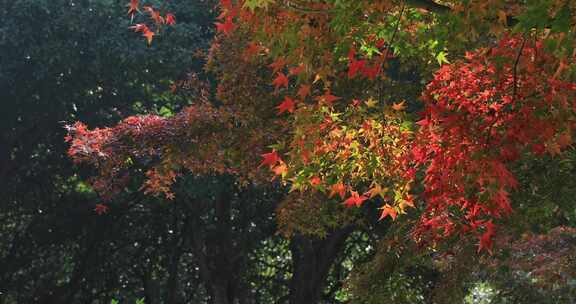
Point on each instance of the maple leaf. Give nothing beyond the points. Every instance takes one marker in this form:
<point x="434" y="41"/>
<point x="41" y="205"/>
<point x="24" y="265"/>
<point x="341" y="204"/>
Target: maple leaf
<point x="133" y="7"/>
<point x="281" y="169"/>
<point x="305" y="155"/>
<point x="227" y="4"/>
<point x="388" y="210"/>
<point x="371" y="72"/>
<point x="140" y="27"/>
<point x="339" y="189"/>
<point x="304" y="91"/>
<point x="227" y="27"/>
<point x="149" y="35"/>
<point x="154" y="14"/>
<point x="296" y="70"/>
<point x="278" y="64"/>
<point x="170" y="19"/>
<point x="252" y="50"/>
<point x="101" y="209"/>
<point x="327" y="98"/>
<point x="280" y="80"/>
<point x="270" y="159"/>
<point x="287" y="105"/>
<point x="315" y="181"/>
<point x="399" y="106"/>
<point x="376" y="190"/>
<point x="354" y="66"/>
<point x="355" y="199"/>
<point x="486" y="241"/>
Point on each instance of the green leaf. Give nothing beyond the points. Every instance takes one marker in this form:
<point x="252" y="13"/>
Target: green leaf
<point x="441" y="58"/>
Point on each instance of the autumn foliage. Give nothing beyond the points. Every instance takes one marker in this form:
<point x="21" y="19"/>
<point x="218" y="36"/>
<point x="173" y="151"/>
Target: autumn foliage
<point x="302" y="91"/>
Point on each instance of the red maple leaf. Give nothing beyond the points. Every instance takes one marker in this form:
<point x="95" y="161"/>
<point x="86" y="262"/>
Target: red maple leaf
<point x="170" y="19"/>
<point x="227" y="27"/>
<point x="296" y="70"/>
<point x="133" y="7"/>
<point x="355" y="199"/>
<point x="287" y="105"/>
<point x="371" y="72"/>
<point x="227" y="4"/>
<point x="354" y="65"/>
<point x="327" y="98"/>
<point x="304" y="91"/>
<point x="280" y="80"/>
<point x="486" y="241"/>
<point x="100" y="209"/>
<point x="270" y="159"/>
<point x="278" y="64"/>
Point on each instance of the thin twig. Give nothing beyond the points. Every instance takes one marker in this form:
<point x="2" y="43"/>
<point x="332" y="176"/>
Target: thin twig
<point x="515" y="71"/>
<point x="396" y="29"/>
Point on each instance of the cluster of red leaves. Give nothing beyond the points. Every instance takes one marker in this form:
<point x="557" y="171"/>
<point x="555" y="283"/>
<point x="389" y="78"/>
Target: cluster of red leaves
<point x="369" y="69"/>
<point x="149" y="138"/>
<point x="228" y="11"/>
<point x="202" y="138"/>
<point x="154" y="15"/>
<point x="481" y="114"/>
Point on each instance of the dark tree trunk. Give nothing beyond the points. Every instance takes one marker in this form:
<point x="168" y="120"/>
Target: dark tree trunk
<point x="217" y="255"/>
<point x="312" y="260"/>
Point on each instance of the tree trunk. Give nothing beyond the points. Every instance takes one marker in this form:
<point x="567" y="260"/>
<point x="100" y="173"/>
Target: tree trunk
<point x="312" y="260"/>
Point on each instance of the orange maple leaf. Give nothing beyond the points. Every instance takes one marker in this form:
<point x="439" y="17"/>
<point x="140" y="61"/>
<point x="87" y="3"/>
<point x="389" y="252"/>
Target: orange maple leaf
<point x="339" y="189"/>
<point x="388" y="210"/>
<point x="399" y="106"/>
<point x="149" y="35"/>
<point x="281" y="169"/>
<point x="315" y="181"/>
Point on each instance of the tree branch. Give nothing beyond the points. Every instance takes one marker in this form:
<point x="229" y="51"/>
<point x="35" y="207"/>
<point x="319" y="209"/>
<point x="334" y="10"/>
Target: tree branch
<point x="429" y="6"/>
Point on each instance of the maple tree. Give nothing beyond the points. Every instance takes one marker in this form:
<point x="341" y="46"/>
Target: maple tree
<point x="452" y="117"/>
<point x="341" y="125"/>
